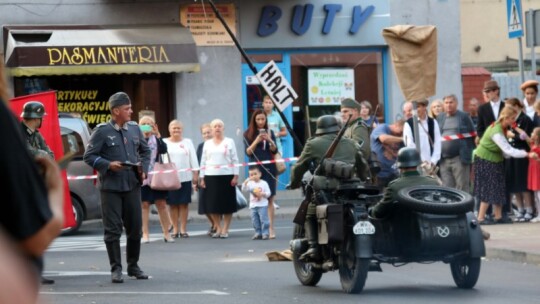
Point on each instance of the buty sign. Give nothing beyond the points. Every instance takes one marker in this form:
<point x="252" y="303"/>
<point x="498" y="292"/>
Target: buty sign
<point x="276" y="85"/>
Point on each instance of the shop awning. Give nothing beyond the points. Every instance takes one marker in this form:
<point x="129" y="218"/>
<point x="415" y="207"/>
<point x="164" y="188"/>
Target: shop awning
<point x="77" y="50"/>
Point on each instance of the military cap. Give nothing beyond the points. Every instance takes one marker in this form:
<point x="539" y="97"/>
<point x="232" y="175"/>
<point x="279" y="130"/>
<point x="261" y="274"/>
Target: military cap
<point x="118" y="99"/>
<point x="350" y="103"/>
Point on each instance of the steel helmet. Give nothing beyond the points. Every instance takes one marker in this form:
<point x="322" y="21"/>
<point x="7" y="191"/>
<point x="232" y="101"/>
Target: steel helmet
<point x="33" y="109"/>
<point x="327" y="124"/>
<point x="408" y="157"/>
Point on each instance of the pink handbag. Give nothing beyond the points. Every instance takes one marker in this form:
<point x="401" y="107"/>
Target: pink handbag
<point x="167" y="176"/>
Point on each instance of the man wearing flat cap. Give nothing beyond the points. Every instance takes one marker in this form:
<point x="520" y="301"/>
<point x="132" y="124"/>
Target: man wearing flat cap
<point x="489" y="112"/>
<point x="115" y="148"/>
<point x="429" y="133"/>
<point x="356" y="130"/>
<point x="530" y="90"/>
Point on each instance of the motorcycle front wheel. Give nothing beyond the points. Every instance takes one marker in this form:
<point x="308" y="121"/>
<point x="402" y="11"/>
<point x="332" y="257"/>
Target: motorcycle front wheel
<point x="352" y="270"/>
<point x="306" y="274"/>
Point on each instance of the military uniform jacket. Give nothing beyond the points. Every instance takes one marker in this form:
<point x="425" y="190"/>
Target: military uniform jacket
<point x="407" y="179"/>
<point x="110" y="142"/>
<point x="358" y="131"/>
<point x="35" y="142"/>
<point x="346" y="151"/>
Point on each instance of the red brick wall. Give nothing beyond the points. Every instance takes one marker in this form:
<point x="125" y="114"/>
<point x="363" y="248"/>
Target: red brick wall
<point x="472" y="88"/>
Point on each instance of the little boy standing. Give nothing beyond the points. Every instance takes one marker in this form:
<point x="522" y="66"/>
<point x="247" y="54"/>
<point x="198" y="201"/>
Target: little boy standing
<point x="259" y="191"/>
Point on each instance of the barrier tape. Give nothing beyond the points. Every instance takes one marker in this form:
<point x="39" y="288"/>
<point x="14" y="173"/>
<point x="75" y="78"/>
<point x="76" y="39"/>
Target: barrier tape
<point x="458" y="136"/>
<point x="264" y="162"/>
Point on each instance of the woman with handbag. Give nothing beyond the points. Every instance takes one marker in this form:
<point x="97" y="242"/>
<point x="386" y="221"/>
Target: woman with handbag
<point x="260" y="145"/>
<point x="182" y="153"/>
<point x="148" y="195"/>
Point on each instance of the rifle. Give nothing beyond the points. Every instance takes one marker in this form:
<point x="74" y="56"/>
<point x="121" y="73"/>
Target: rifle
<point x="300" y="216"/>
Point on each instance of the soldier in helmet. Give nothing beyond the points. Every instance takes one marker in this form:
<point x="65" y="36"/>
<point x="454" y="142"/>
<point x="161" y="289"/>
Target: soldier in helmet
<point x="32" y="118"/>
<point x="113" y="150"/>
<point x="32" y="115"/>
<point x="408" y="160"/>
<point x="347" y="151"/>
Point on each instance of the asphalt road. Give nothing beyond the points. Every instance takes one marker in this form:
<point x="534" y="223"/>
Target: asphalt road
<point x="236" y="270"/>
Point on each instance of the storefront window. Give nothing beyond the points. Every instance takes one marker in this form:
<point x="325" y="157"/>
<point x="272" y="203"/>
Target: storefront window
<point x="323" y="79"/>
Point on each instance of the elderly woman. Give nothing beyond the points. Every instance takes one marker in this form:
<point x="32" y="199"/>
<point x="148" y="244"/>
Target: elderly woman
<point x="150" y="196"/>
<point x="435" y="108"/>
<point x="183" y="155"/>
<point x="219" y="178"/>
<point x="489" y="182"/>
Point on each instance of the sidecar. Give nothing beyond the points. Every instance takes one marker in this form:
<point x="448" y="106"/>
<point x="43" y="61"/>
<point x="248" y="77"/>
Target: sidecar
<point x="428" y="224"/>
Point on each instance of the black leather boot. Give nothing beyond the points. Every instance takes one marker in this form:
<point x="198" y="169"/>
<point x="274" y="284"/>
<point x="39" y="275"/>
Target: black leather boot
<point x="133" y="250"/>
<point x="115" y="259"/>
<point x="311" y="229"/>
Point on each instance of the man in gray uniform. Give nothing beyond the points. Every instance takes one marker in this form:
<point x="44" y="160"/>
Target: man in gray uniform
<point x="114" y="150"/>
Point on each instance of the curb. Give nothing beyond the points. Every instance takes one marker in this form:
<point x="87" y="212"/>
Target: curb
<point x="513" y="256"/>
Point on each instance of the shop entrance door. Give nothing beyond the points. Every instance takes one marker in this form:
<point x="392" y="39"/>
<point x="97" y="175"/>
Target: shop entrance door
<point x="252" y="95"/>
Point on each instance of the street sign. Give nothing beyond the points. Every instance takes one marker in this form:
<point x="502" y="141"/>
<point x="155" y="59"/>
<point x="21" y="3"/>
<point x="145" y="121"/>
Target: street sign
<point x="276" y="85"/>
<point x="532" y="28"/>
<point x="514" y="18"/>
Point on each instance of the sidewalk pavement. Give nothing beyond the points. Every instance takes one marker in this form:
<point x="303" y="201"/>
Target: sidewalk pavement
<point x="518" y="242"/>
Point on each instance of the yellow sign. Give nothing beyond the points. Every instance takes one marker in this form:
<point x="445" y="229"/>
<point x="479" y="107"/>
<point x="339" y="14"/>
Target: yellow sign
<point x="205" y="27"/>
<point x="107" y="55"/>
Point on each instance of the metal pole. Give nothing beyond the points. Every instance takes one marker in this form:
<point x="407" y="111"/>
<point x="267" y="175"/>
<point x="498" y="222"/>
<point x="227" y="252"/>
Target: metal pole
<point x="416" y="121"/>
<point x="254" y="70"/>
<point x="532" y="41"/>
<point x="521" y="69"/>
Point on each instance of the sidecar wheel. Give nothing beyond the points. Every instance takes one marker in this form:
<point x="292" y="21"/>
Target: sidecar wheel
<point x="352" y="270"/>
<point x="436" y="200"/>
<point x="465" y="272"/>
<point x="306" y="274"/>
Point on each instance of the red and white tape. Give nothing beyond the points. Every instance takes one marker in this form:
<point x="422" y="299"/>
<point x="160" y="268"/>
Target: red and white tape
<point x="458" y="136"/>
<point x="264" y="162"/>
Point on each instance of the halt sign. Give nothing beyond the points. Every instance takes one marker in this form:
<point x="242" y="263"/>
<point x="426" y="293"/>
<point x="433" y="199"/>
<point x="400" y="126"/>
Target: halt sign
<point x="276" y="85"/>
<point x="514" y="18"/>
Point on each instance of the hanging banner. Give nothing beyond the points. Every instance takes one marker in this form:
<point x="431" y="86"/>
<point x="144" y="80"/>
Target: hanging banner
<point x="328" y="87"/>
<point x="50" y="129"/>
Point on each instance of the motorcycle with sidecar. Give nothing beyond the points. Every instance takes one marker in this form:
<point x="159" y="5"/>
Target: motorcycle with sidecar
<point x="427" y="224"/>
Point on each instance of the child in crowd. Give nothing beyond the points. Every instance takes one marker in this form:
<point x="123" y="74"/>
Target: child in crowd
<point x="259" y="192"/>
<point x="534" y="175"/>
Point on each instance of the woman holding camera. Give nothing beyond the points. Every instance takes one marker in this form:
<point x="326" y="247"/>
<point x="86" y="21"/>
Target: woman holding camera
<point x="260" y="145"/>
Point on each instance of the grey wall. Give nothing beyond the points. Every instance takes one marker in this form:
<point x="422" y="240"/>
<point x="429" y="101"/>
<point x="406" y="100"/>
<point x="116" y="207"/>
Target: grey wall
<point x="444" y="14"/>
<point x="214" y="92"/>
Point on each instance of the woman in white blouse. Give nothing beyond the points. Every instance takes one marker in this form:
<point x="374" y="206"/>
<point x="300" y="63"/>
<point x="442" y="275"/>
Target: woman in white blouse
<point x="219" y="177"/>
<point x="182" y="153"/>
